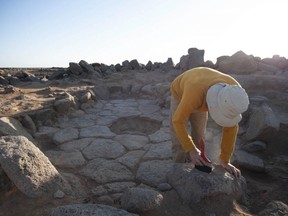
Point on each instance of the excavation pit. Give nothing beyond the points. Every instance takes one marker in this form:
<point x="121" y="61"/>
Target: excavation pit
<point x="135" y="125"/>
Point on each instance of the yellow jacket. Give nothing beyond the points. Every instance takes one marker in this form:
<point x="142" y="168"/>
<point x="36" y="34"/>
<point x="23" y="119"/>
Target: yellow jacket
<point x="190" y="89"/>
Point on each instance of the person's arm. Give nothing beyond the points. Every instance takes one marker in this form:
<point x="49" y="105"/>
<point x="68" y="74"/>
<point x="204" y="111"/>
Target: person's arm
<point x="227" y="147"/>
<point x="179" y="123"/>
<point x="189" y="102"/>
<point x="229" y="135"/>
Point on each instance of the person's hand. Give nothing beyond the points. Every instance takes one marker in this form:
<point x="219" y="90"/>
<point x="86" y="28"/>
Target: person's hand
<point x="231" y="169"/>
<point x="196" y="159"/>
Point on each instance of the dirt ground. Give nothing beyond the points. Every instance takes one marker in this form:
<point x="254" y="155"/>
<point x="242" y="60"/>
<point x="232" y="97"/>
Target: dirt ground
<point x="262" y="187"/>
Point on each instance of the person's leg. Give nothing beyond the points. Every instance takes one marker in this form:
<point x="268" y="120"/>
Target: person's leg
<point x="179" y="155"/>
<point x="198" y="121"/>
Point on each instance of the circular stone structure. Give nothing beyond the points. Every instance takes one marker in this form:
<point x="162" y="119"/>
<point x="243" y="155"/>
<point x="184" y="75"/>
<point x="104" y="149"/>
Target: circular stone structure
<point x="135" y="125"/>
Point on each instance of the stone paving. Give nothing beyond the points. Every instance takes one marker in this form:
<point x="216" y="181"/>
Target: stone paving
<point x="115" y="143"/>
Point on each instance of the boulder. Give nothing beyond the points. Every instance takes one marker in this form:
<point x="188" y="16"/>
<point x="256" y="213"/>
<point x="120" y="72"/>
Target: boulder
<point x="276" y="61"/>
<point x="11" y="126"/>
<point x="262" y="123"/>
<point x="89" y="69"/>
<point x="104" y="171"/>
<point x="238" y="63"/>
<point x="274" y="208"/>
<point x="63" y="105"/>
<point x="126" y="65"/>
<point x="3" y="81"/>
<point x="149" y="66"/>
<point x="193" y="186"/>
<point x="75" y="68"/>
<point x="141" y="200"/>
<point x="195" y="58"/>
<point x="255" y="146"/>
<point x="154" y="172"/>
<point x="249" y="161"/>
<point x="28" y="168"/>
<point x="135" y="64"/>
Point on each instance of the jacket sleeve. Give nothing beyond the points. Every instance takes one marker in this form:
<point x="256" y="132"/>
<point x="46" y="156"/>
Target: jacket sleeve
<point x="229" y="135"/>
<point x="189" y="102"/>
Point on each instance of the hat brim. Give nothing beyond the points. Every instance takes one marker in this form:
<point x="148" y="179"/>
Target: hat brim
<point x="214" y="109"/>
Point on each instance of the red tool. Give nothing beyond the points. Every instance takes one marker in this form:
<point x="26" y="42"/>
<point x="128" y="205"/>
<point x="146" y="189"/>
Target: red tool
<point x="202" y="149"/>
<point x="206" y="169"/>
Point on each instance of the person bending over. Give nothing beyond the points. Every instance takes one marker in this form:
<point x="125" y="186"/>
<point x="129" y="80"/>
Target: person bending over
<point x="194" y="93"/>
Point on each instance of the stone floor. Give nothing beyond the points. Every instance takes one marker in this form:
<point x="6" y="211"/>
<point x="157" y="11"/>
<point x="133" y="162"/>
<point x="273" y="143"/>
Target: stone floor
<point x="116" y="144"/>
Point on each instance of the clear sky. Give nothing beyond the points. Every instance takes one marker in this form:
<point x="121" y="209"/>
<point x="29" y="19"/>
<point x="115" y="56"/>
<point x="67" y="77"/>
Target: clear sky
<point x="48" y="33"/>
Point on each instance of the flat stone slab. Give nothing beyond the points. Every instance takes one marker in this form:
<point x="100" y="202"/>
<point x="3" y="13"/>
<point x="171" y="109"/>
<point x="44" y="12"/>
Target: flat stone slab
<point x="104" y="148"/>
<point x="96" y="131"/>
<point x="89" y="210"/>
<point x="106" y="171"/>
<point x="66" y="159"/>
<point x="141" y="199"/>
<point x="154" y="172"/>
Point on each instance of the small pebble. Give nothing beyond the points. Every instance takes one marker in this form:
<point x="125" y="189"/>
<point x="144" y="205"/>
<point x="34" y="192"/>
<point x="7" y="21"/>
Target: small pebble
<point x="59" y="194"/>
<point x="164" y="187"/>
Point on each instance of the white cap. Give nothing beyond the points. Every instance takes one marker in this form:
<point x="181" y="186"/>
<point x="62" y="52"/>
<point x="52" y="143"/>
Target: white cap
<point x="226" y="103"/>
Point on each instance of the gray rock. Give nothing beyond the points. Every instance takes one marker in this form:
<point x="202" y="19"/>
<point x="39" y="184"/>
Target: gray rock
<point x="28" y="123"/>
<point x="28" y="168"/>
<point x="66" y="159"/>
<point x="161" y="135"/>
<point x="255" y="146"/>
<point x="86" y="97"/>
<point x="135" y="64"/>
<point x="249" y="161"/>
<point x="79" y="188"/>
<point x="154" y="172"/>
<point x="96" y="131"/>
<point x="76" y="145"/>
<point x="275" y="208"/>
<point x="106" y="171"/>
<point x="149" y="108"/>
<point x="64" y="105"/>
<point x="3" y="81"/>
<point x="45" y="133"/>
<point x="44" y="117"/>
<point x="126" y="65"/>
<point x="104" y="148"/>
<point x="116" y="187"/>
<point x="262" y="123"/>
<point x="59" y="194"/>
<point x="193" y="185"/>
<point x="89" y="210"/>
<point x="101" y="92"/>
<point x="11" y="126"/>
<point x="159" y="151"/>
<point x="149" y="66"/>
<point x="77" y="122"/>
<point x="65" y="135"/>
<point x="238" y="63"/>
<point x="131" y="159"/>
<point x="89" y="69"/>
<point x="141" y="200"/>
<point x="164" y="187"/>
<point x="75" y="68"/>
<point x="132" y="142"/>
<point x="196" y="58"/>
